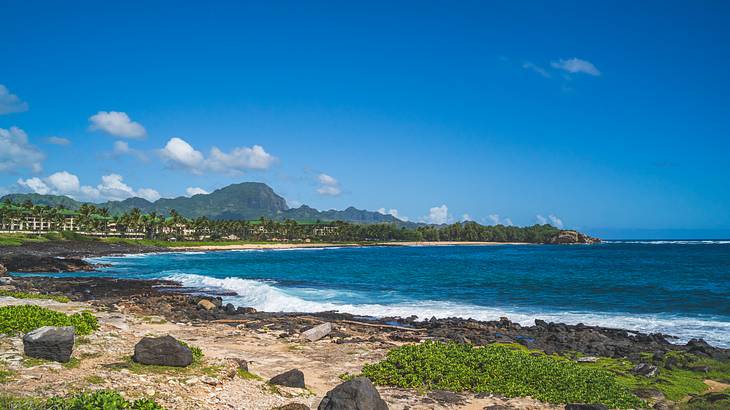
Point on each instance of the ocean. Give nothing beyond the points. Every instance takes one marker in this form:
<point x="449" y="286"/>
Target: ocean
<point x="681" y="288"/>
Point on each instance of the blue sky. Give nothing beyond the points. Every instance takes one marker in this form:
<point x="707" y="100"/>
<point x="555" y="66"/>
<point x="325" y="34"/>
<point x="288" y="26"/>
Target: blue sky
<point x="608" y="117"/>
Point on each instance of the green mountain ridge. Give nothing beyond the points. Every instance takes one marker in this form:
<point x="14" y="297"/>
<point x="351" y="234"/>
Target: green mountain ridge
<point x="246" y="201"/>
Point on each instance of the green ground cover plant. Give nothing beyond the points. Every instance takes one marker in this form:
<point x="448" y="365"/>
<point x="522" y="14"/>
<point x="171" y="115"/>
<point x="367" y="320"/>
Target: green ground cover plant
<point x="499" y="369"/>
<point x="24" y="318"/>
<point x="101" y="399"/>
<point x="26" y="295"/>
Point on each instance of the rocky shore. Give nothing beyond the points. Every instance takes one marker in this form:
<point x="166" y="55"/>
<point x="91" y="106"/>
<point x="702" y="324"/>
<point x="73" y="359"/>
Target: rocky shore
<point x="173" y="302"/>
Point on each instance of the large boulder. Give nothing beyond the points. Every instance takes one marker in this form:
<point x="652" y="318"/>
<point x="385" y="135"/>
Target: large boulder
<point x="356" y="394"/>
<point x="292" y="378"/>
<point x="317" y="332"/>
<point x="50" y="343"/>
<point x="162" y="351"/>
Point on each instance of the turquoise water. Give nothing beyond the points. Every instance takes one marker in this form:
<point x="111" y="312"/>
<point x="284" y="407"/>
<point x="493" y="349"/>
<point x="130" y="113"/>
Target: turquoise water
<point x="677" y="287"/>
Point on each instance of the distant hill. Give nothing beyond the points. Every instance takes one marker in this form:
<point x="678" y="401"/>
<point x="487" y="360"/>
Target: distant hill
<point x="247" y="200"/>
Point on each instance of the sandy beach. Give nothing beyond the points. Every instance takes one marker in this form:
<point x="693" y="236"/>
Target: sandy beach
<point x="262" y="246"/>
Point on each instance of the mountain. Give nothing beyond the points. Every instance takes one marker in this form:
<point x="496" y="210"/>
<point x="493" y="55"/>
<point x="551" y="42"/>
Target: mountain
<point x="247" y="200"/>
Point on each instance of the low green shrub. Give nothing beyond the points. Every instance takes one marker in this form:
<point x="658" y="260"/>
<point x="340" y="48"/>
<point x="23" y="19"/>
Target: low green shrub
<point x="24" y="318"/>
<point x="101" y="399"/>
<point x="26" y="295"/>
<point x="499" y="369"/>
<point x="196" y="351"/>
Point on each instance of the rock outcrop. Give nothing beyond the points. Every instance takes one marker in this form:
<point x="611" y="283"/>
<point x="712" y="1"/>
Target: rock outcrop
<point x="3" y="270"/>
<point x="573" y="237"/>
<point x="356" y="394"/>
<point x="162" y="351"/>
<point x="34" y="263"/>
<point x="291" y="378"/>
<point x="50" y="343"/>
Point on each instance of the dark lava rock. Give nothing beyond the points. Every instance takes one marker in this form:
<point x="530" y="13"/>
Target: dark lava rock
<point x="33" y="263"/>
<point x="162" y="351"/>
<point x="292" y="378"/>
<point x="356" y="394"/>
<point x="447" y="397"/>
<point x="649" y="394"/>
<point x="230" y="309"/>
<point x="582" y="406"/>
<point x="49" y="342"/>
<point x="646" y="370"/>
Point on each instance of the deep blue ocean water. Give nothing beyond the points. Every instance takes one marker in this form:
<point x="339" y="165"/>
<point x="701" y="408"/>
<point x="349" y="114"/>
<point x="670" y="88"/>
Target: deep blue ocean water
<point x="679" y="288"/>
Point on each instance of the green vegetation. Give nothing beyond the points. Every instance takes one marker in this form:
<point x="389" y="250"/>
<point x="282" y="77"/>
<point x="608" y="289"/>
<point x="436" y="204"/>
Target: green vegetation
<point x="94" y="379"/>
<point x="715" y="401"/>
<point x="676" y="382"/>
<point x="5" y="374"/>
<point x="228" y="227"/>
<point x="101" y="399"/>
<point x="499" y="369"/>
<point x="26" y="295"/>
<point x="245" y="374"/>
<point x="24" y="318"/>
<point x="195" y="350"/>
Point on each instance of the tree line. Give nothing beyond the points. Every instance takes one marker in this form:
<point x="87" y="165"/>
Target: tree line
<point x="89" y="218"/>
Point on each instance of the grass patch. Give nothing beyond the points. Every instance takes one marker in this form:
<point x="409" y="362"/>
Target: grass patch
<point x="5" y="376"/>
<point x="499" y="369"/>
<point x="101" y="399"/>
<point x="24" y="318"/>
<point x="94" y="379"/>
<point x="245" y="374"/>
<point x="197" y="352"/>
<point x="26" y="295"/>
<point x="676" y="383"/>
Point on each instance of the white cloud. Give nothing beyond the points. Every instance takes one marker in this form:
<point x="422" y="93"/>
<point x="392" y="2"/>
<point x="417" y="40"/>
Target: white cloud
<point x="328" y="185"/>
<point x="193" y="190"/>
<point x="178" y="153"/>
<point x="576" y="65"/>
<point x="555" y="221"/>
<point x="10" y="103"/>
<point x="527" y="65"/>
<point x="466" y="218"/>
<point x="35" y="184"/>
<point x="122" y="148"/>
<point x="438" y="215"/>
<point x="239" y="159"/>
<point x="112" y="187"/>
<point x="58" y="140"/>
<point x="393" y="212"/>
<point x="497" y="220"/>
<point x="16" y="152"/>
<point x="116" y="123"/>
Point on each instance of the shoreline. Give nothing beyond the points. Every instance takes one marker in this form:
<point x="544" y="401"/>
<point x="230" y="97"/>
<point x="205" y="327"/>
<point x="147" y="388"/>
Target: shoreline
<point x="327" y="245"/>
<point x="272" y="343"/>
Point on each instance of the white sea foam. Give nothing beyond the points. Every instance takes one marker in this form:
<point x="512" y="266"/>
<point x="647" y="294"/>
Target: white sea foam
<point x="267" y="297"/>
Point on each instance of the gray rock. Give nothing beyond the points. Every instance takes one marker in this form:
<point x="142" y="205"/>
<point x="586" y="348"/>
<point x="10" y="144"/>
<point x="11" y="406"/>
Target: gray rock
<point x="317" y="332"/>
<point x="646" y="370"/>
<point x="162" y="351"/>
<point x="356" y="394"/>
<point x="292" y="378"/>
<point x="3" y="270"/>
<point x="49" y="342"/>
<point x="587" y="359"/>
